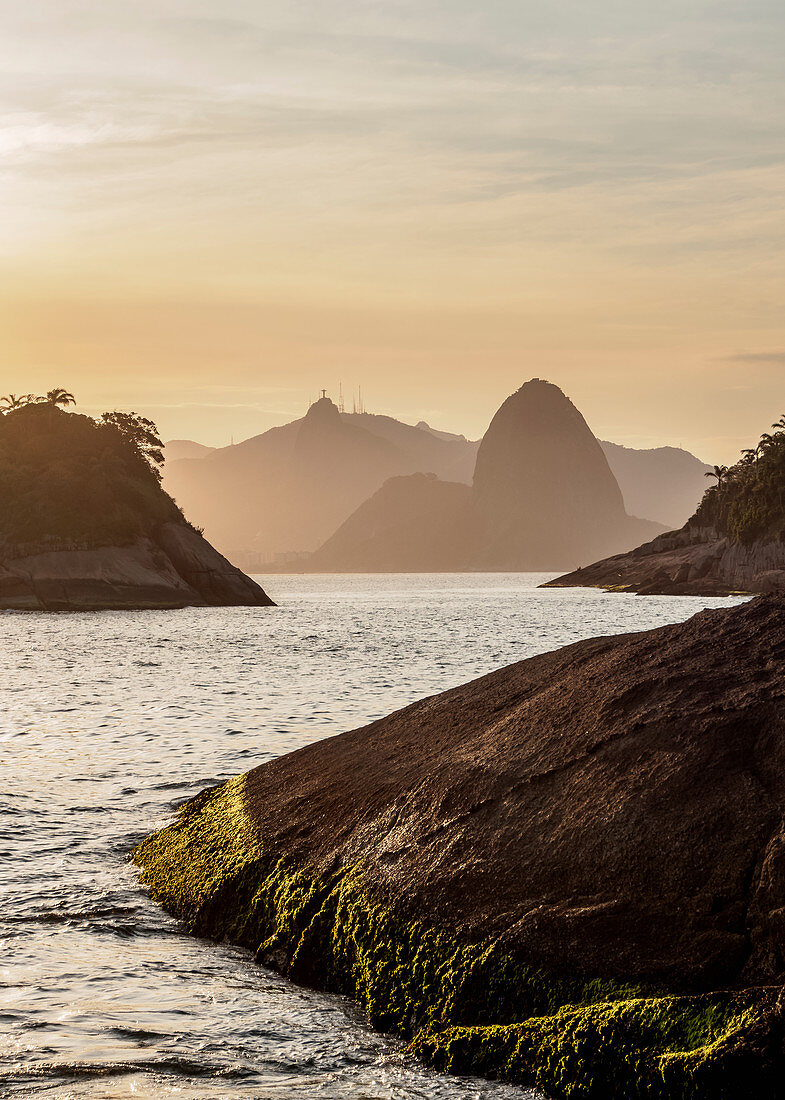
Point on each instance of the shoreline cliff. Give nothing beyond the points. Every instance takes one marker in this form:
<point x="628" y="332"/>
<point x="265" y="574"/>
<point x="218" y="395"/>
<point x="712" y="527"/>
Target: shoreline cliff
<point x="692" y="562"/>
<point x="86" y="525"/>
<point x="174" y="567"/>
<point x="733" y="544"/>
<point x="568" y="873"/>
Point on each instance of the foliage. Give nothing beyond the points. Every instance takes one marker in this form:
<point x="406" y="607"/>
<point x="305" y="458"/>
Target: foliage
<point x="467" y="1007"/>
<point x="141" y="433"/>
<point x="57" y="396"/>
<point x="67" y="478"/>
<point x="748" y="501"/>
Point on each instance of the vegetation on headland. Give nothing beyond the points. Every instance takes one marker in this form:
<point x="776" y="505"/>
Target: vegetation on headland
<point x="748" y="501"/>
<point x="466" y="1007"/>
<point x="66" y="478"/>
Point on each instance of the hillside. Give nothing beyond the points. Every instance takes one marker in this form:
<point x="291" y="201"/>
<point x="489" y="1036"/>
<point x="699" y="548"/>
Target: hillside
<point x="567" y="873"/>
<point x="290" y="488"/>
<point x="414" y="524"/>
<point x="175" y="449"/>
<point x="734" y="542"/>
<point x="543" y="490"/>
<point x="662" y="483"/>
<point x="85" y="522"/>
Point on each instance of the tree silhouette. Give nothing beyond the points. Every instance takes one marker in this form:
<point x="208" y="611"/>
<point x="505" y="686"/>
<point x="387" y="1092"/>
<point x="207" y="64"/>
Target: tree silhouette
<point x="13" y="401"/>
<point x="141" y="434"/>
<point x="748" y="501"/>
<point x="720" y="472"/>
<point x="58" y="396"/>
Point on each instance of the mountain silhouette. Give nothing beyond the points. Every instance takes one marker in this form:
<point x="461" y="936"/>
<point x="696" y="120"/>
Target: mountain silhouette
<point x="543" y="494"/>
<point x="288" y="491"/>
<point x="290" y="488"/>
<point x="662" y="483"/>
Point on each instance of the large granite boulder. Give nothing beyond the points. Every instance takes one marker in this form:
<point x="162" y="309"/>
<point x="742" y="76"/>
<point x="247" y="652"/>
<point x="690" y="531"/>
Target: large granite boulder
<point x="568" y="872"/>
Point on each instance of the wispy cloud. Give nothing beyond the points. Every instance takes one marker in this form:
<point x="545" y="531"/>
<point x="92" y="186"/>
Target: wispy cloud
<point x="764" y="358"/>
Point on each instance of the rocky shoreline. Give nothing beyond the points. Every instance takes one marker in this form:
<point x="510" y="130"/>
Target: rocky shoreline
<point x="174" y="568"/>
<point x="568" y="873"/>
<point x="695" y="561"/>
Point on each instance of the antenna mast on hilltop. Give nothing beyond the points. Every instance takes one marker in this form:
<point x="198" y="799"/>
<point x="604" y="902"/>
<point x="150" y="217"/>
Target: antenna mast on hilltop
<point x="340" y="398"/>
<point x="360" y="406"/>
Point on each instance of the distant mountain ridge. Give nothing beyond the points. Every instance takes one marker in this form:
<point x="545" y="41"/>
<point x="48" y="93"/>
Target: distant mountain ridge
<point x="542" y="494"/>
<point x="246" y="495"/>
<point x="661" y="483"/>
<point x="291" y="487"/>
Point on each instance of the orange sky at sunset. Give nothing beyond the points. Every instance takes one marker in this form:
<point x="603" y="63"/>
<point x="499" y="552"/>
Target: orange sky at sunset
<point x="210" y="211"/>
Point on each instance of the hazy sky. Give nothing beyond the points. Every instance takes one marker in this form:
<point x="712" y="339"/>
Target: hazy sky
<point x="212" y="209"/>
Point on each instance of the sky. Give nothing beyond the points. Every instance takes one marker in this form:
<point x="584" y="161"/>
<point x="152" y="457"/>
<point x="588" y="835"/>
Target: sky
<point x="211" y="210"/>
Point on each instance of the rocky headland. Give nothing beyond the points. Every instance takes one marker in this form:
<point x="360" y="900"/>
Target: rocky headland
<point x="543" y="492"/>
<point x="734" y="543"/>
<point x="569" y="873"/>
<point x="695" y="561"/>
<point x="173" y="567"/>
<point x="86" y="524"/>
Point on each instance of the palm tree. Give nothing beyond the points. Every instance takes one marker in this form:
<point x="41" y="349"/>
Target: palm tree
<point x="720" y="472"/>
<point x="14" y="401"/>
<point x="59" y="396"/>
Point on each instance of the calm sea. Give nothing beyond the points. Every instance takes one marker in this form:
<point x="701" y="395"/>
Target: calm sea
<point x="110" y="720"/>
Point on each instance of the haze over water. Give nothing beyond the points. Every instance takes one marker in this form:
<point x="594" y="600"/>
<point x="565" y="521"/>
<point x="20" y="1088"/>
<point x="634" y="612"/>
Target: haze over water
<point x="112" y="719"/>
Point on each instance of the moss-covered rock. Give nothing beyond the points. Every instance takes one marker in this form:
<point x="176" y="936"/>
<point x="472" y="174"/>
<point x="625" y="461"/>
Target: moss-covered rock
<point x="468" y="1007"/>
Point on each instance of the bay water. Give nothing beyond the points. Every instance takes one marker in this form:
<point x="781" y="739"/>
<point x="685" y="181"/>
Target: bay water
<point x="110" y="720"/>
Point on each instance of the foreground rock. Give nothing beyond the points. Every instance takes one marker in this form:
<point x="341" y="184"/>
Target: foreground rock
<point x="570" y="872"/>
<point x="176" y="567"/>
<point x="692" y="562"/>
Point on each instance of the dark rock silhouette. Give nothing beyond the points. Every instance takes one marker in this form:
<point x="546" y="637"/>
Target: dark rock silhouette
<point x="585" y="847"/>
<point x="85" y="523"/>
<point x="543" y="490"/>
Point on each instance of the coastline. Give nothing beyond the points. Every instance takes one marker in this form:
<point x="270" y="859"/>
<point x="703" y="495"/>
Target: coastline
<point x="465" y="1007"/>
<point x="692" y="562"/>
<point x="561" y="874"/>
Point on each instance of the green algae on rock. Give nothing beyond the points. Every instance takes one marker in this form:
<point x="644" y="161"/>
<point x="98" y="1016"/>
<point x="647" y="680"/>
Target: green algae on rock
<point x="352" y="866"/>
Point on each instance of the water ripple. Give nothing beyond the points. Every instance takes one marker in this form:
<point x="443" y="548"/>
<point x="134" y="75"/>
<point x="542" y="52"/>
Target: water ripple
<point x="111" y="721"/>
